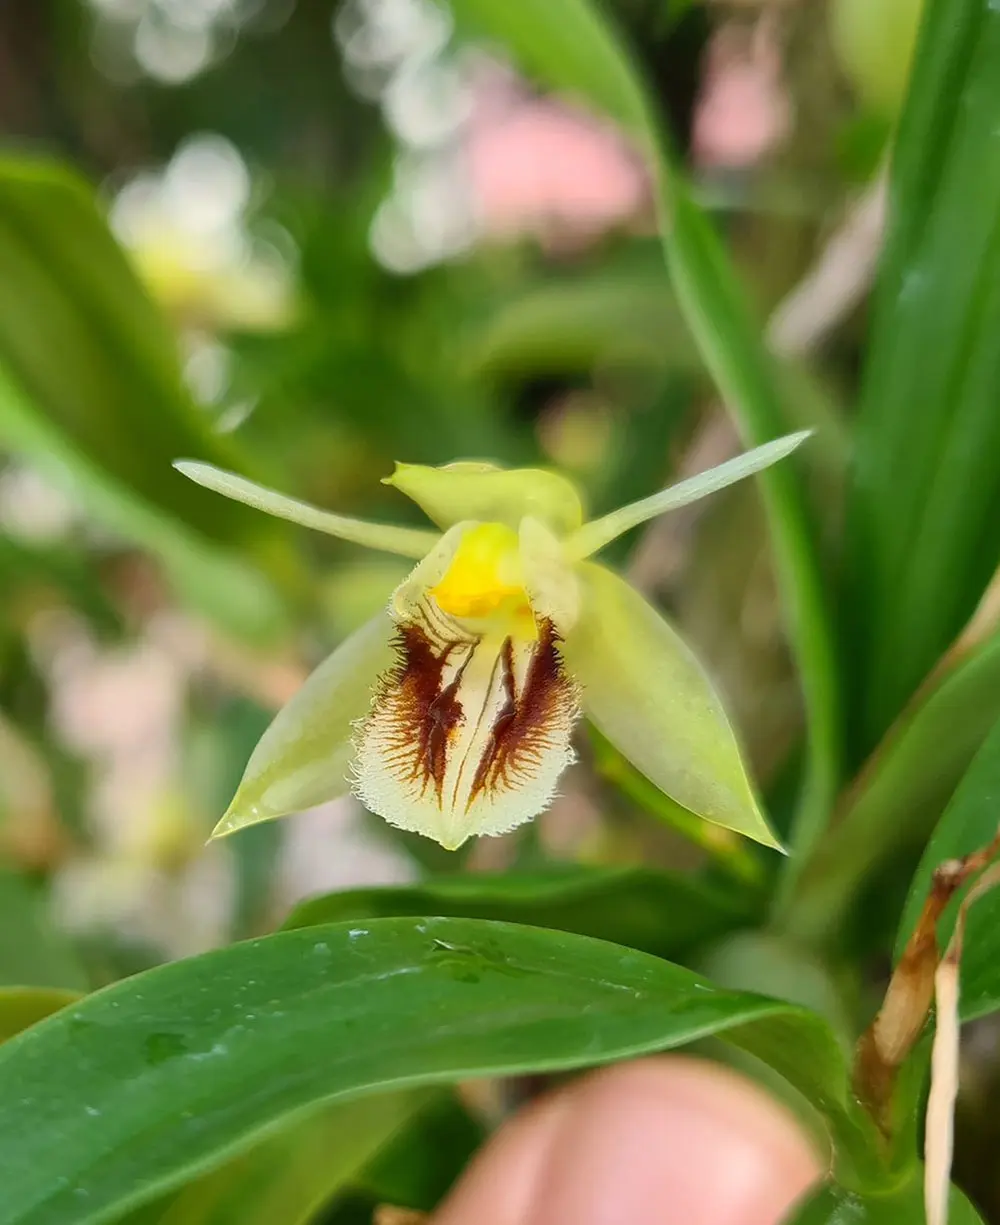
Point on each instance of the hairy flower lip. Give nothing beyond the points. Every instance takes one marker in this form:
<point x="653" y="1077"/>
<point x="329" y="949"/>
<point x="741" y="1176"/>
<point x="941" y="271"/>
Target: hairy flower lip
<point x="466" y="734"/>
<point x="452" y="713"/>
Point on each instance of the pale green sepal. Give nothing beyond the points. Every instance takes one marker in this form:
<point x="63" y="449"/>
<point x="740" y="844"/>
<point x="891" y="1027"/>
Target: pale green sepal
<point x="304" y="757"/>
<point x="406" y="541"/>
<point x="646" y="692"/>
<point x="595" y="535"/>
<point x="490" y="495"/>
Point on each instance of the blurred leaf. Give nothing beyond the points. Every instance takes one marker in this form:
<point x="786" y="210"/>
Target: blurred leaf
<point x="571" y="324"/>
<point x="288" y="1177"/>
<point x="115" y="391"/>
<point x="969" y="822"/>
<point x="24" y="565"/>
<point x="417" y="1168"/>
<point x="33" y="953"/>
<point x="903" y="787"/>
<point x="923" y="532"/>
<point x="21" y="1007"/>
<point x="161" y="1076"/>
<point x="91" y="392"/>
<point x="832" y="1205"/>
<point x="659" y="912"/>
<point x="209" y="578"/>
<point x="568" y="47"/>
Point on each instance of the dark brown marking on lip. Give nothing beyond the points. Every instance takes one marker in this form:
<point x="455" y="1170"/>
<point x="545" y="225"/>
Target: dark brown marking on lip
<point x="522" y="728"/>
<point x="422" y="713"/>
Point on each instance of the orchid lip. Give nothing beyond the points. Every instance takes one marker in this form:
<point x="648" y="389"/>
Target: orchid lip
<point x="467" y="734"/>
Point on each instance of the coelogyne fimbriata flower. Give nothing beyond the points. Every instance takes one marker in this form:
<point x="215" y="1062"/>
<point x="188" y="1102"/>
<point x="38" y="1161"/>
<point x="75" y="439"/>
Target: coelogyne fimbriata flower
<point x="451" y="713"/>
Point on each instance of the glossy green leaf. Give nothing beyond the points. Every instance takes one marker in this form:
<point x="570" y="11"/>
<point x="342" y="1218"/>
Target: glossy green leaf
<point x="21" y="1007"/>
<point x="902" y="789"/>
<point x="570" y="48"/>
<point x="33" y="951"/>
<point x="165" y="1074"/>
<point x="923" y="537"/>
<point x="645" y="691"/>
<point x="832" y="1205"/>
<point x="665" y="913"/>
<point x="287" y="1178"/>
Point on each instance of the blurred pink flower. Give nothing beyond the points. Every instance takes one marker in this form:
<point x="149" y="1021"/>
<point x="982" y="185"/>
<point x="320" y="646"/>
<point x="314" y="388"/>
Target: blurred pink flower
<point x="743" y="110"/>
<point x="545" y="167"/>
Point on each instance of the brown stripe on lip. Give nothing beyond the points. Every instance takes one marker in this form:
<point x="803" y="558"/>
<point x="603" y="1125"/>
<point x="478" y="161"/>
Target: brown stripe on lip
<point x="424" y="714"/>
<point x="521" y="731"/>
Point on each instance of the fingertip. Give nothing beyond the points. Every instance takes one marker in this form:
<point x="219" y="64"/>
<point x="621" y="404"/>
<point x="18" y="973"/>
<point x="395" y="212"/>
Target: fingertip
<point x="660" y="1140"/>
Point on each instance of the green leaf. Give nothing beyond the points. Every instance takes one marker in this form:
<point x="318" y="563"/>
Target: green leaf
<point x="208" y="577"/>
<point x="922" y="515"/>
<point x="981" y="959"/>
<point x="288" y="1177"/>
<point x="832" y="1205"/>
<point x="109" y="416"/>
<point x="21" y="1007"/>
<point x="902" y="789"/>
<point x="33" y="952"/>
<point x="568" y="47"/>
<point x="658" y="912"/>
<point x="165" y="1074"/>
<point x="116" y="392"/>
<point x="969" y="822"/>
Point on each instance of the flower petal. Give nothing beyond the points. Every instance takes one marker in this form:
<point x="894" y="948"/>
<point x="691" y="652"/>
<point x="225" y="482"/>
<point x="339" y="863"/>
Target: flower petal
<point x="490" y="494"/>
<point x="595" y="535"/>
<point x="548" y="579"/>
<point x="647" y="693"/>
<point x="467" y="735"/>
<point x="411" y="594"/>
<point x="304" y="757"/>
<point x="407" y="541"/>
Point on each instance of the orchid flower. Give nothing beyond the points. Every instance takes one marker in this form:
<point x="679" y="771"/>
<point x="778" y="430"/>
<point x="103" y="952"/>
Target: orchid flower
<point x="451" y="713"/>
